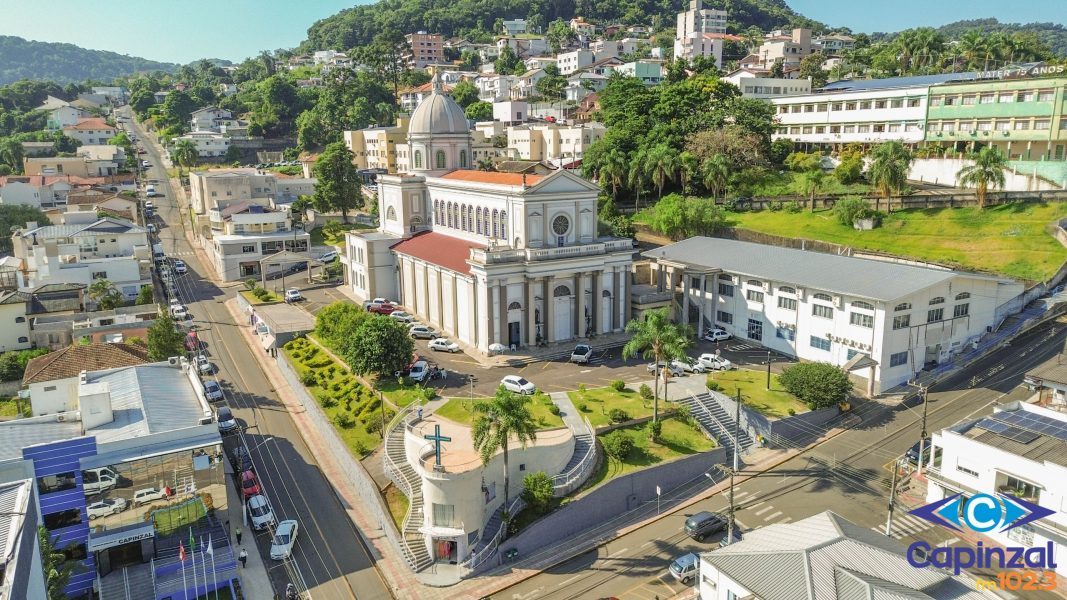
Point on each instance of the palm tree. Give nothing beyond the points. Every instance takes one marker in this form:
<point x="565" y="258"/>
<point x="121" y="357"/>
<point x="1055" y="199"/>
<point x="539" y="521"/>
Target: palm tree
<point x="613" y="170"/>
<point x="655" y="336"/>
<point x="888" y="171"/>
<point x="57" y="568"/>
<point x="637" y="177"/>
<point x="689" y="167"/>
<point x="11" y="154"/>
<point x="104" y="294"/>
<point x="715" y="171"/>
<point x="662" y="166"/>
<point x="987" y="171"/>
<point x="185" y="155"/>
<point x="499" y="419"/>
<point x="972" y="46"/>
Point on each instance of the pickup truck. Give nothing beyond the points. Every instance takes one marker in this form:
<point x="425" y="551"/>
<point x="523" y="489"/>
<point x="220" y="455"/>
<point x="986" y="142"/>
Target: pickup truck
<point x="582" y="353"/>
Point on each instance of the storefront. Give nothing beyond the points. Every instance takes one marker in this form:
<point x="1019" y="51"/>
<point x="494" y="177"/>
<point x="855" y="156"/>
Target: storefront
<point x="117" y="548"/>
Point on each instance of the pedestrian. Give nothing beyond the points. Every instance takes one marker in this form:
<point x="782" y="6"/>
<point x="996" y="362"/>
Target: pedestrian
<point x="238" y="533"/>
<point x="243" y="557"/>
<point x="227" y="527"/>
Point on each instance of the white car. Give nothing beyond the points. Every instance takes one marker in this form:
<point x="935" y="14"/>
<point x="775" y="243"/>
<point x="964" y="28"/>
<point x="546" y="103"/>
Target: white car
<point x="401" y="316"/>
<point x="717" y="335"/>
<point x="178" y="312"/>
<point x="259" y="512"/>
<point x="149" y="205"/>
<point x="107" y="507"/>
<point x="714" y="361"/>
<point x="689" y="365"/>
<point x="148" y="495"/>
<point x="328" y="257"/>
<point x="145" y="164"/>
<point x="582" y="353"/>
<point x="284" y="538"/>
<point x="422" y="332"/>
<point x="443" y="345"/>
<point x="519" y="385"/>
<point x="419" y="371"/>
<point x="293" y="295"/>
<point x="203" y="365"/>
<point x="180" y="267"/>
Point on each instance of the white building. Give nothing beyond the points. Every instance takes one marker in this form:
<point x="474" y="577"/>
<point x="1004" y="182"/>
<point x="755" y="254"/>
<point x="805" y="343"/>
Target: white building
<point x="828" y="308"/>
<point x="208" y="144"/>
<point x="524" y="47"/>
<point x="650" y="72"/>
<point x="90" y="131"/>
<point x="606" y="48"/>
<point x="693" y="24"/>
<point x="1020" y="450"/>
<point x="207" y="118"/>
<point x="488" y="258"/>
<point x="496" y="88"/>
<point x="14" y="324"/>
<point x="511" y="111"/>
<point x="552" y="143"/>
<point x="83" y="252"/>
<point x="582" y="84"/>
<point x="103" y="159"/>
<point x="834" y="43"/>
<point x="824" y="557"/>
<point x="245" y="232"/>
<point x="569" y="62"/>
<point x="218" y="188"/>
<point x="514" y="26"/>
<point x="527" y="84"/>
<point x="786" y="48"/>
<point x="39" y="191"/>
<point x="865" y="116"/>
<point x="53" y="379"/>
<point x="754" y="84"/>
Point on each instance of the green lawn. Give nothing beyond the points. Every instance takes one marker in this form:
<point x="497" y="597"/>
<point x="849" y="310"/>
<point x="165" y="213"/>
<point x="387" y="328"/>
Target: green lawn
<point x="399" y="395"/>
<point x="9" y="407"/>
<point x="354" y="411"/>
<point x="677" y="439"/>
<point x="398" y="505"/>
<point x="1009" y="239"/>
<point x="270" y="299"/>
<point x="774" y="403"/>
<point x="458" y="410"/>
<point x="598" y="402"/>
<point x="169" y="519"/>
<point x="320" y="238"/>
<point x="790" y="184"/>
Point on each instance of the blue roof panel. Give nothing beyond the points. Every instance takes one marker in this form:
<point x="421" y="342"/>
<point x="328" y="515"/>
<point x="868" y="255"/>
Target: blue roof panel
<point x="896" y="82"/>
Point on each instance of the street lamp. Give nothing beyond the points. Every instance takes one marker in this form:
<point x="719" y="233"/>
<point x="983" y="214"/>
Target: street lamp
<point x="269" y="439"/>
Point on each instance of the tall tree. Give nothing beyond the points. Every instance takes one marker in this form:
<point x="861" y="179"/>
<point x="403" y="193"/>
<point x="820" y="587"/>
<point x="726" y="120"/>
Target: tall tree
<point x="11" y="154"/>
<point x="465" y="93"/>
<point x="338" y="185"/>
<point x="655" y="336"/>
<point x="164" y="339"/>
<point x="500" y="419"/>
<point x="184" y="155"/>
<point x="104" y="294"/>
<point x="888" y="171"/>
<point x="986" y="172"/>
<point x="613" y="170"/>
<point x="379" y="346"/>
<point x="809" y="167"/>
<point x="479" y="111"/>
<point x="662" y="165"/>
<point x="715" y="173"/>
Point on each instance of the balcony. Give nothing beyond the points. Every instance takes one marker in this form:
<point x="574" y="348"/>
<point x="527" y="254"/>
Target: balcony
<point x="509" y="255"/>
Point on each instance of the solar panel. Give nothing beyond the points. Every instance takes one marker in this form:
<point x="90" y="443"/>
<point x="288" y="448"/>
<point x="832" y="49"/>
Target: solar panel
<point x="1019" y="435"/>
<point x="992" y="425"/>
<point x="1033" y="422"/>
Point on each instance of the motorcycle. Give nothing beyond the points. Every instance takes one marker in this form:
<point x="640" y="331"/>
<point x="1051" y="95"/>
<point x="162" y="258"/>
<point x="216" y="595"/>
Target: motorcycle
<point x="290" y="592"/>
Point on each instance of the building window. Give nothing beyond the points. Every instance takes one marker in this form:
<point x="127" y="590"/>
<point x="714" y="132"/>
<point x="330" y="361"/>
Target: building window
<point x="443" y="515"/>
<point x="901" y="321"/>
<point x="1003" y="126"/>
<point x="820" y="343"/>
<point x="726" y="290"/>
<point x="463" y="159"/>
<point x="440" y="159"/>
<point x="1045" y="96"/>
<point x="20" y="319"/>
<point x="961" y="310"/>
<point x="902" y="306"/>
<point x="1042" y="124"/>
<point x="1022" y="125"/>
<point x="99" y="274"/>
<point x="963" y="295"/>
<point x="787" y="303"/>
<point x="899" y="358"/>
<point x="248" y="249"/>
<point x="937" y="300"/>
<point x="63" y="518"/>
<point x="785" y="334"/>
<point x="754" y="296"/>
<point x="862" y="305"/>
<point x="755" y="329"/>
<point x="935" y="315"/>
<point x="861" y="320"/>
<point x="724" y="317"/>
<point x="826" y="312"/>
<point x="418" y="159"/>
<point x="74" y="552"/>
<point x="58" y="482"/>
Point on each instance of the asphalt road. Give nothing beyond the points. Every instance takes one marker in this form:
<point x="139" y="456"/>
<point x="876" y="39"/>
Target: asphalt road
<point x="329" y="557"/>
<point x="848" y="474"/>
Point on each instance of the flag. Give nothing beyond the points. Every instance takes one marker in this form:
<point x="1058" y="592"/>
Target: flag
<point x="192" y="541"/>
<point x="210" y="550"/>
<point x="181" y="552"/>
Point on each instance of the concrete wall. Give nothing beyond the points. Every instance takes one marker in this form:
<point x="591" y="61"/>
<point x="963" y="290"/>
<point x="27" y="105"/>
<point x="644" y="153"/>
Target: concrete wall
<point x="943" y="171"/>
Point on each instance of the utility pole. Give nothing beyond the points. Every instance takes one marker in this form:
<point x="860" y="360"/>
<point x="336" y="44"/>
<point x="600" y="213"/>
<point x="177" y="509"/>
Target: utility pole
<point x="923" y="435"/>
<point x="892" y="501"/>
<point x="768" y="370"/>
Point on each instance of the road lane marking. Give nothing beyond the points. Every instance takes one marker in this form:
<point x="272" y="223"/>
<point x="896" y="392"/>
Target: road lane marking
<point x="774" y="515"/>
<point x="763" y="510"/>
<point x="761" y="503"/>
<point x="617" y="552"/>
<point x="563" y="583"/>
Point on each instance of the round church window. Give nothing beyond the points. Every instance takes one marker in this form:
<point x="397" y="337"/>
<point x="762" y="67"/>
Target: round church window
<point x="560" y="225"/>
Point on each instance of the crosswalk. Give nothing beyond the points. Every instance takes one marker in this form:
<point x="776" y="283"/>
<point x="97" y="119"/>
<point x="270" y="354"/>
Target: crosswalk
<point x="905" y="525"/>
<point x="742" y="346"/>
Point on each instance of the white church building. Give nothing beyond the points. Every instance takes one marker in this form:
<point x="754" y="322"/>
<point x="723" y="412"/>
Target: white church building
<point x="488" y="258"/>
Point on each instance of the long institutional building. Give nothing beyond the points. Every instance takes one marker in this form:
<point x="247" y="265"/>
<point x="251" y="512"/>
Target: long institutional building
<point x="1020" y="111"/>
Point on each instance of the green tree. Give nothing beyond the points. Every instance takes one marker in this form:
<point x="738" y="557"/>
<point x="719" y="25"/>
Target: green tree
<point x="849" y="168"/>
<point x="551" y="86"/>
<point x="888" y="169"/>
<point x="57" y="568"/>
<point x="380" y="346"/>
<point x="507" y="61"/>
<point x="811" y="66"/>
<point x="480" y="111"/>
<point x="11" y="154"/>
<point x="848" y="210"/>
<point x="385" y="56"/>
<point x="14" y="216"/>
<point x="662" y="165"/>
<point x="537" y="491"/>
<point x="560" y="35"/>
<point x="338" y="323"/>
<point x="105" y="294"/>
<point x="613" y="170"/>
<point x="465" y="93"/>
<point x="164" y="338"/>
<point x="816" y="384"/>
<point x="144" y="296"/>
<point x="715" y="173"/>
<point x="986" y="172"/>
<point x="654" y="336"/>
<point x="809" y="167"/>
<point x="498" y="420"/>
<point x="233" y="154"/>
<point x="176" y="111"/>
<point x="338" y="186"/>
<point x="13" y="363"/>
<point x="185" y="154"/>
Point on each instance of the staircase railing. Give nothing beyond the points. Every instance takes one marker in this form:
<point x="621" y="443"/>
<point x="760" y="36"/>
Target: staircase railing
<point x="566" y="482"/>
<point x="726" y="432"/>
<point x="395" y="474"/>
<point x="489" y="549"/>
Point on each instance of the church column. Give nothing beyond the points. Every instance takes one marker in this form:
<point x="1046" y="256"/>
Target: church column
<point x="616" y="295"/>
<point x="440" y="297"/>
<point x="426" y="294"/>
<point x="455" y="305"/>
<point x="595" y="302"/>
<point x="529" y="329"/>
<point x="414" y="289"/>
<point x="491" y="311"/>
<point x="580" y="305"/>
<point x="685" y="299"/>
<point x="502" y="322"/>
<point x="703" y="302"/>
<point x="550" y="310"/>
<point x="472" y="314"/>
<point x="625" y="307"/>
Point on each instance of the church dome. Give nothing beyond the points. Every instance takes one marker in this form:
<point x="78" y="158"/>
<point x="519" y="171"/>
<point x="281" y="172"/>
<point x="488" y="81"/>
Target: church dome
<point x="437" y="114"/>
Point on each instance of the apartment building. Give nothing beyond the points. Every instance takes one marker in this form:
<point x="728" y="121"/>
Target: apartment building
<point x="524" y="47"/>
<point x="650" y="72"/>
<point x="788" y="49"/>
<point x="90" y="131"/>
<point x="218" y="188"/>
<point x="245" y="232"/>
<point x="551" y="143"/>
<point x="374" y="148"/>
<point x="207" y="143"/>
<point x="423" y="49"/>
<point x="700" y="32"/>
<point x="754" y="84"/>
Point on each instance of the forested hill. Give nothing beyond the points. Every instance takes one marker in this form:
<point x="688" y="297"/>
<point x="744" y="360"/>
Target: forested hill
<point x="357" y="26"/>
<point x="1053" y="34"/>
<point x="66" y="63"/>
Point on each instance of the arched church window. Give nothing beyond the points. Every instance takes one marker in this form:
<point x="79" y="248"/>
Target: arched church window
<point x="514" y="306"/>
<point x="418" y="159"/>
<point x="449" y="214"/>
<point x="470" y="219"/>
<point x="437" y="212"/>
<point x="495" y="216"/>
<point x="478" y="216"/>
<point x="440" y="159"/>
<point x="463" y="159"/>
<point x="561" y="291"/>
<point x="504" y="224"/>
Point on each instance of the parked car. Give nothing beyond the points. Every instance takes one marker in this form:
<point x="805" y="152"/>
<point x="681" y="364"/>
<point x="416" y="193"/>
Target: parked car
<point x="284" y="538"/>
<point x="227" y="422"/>
<point x="180" y="267"/>
<point x="259" y="512"/>
<point x="147" y="495"/>
<point x="418" y="371"/>
<point x="581" y="354"/>
<point x="145" y="164"/>
<point x="240" y="459"/>
<point x="673" y="369"/>
<point x="151" y="228"/>
<point x="212" y="389"/>
<point x="249" y="484"/>
<point x="443" y="345"/>
<point x="688" y="365"/>
<point x="107" y="507"/>
<point x="717" y="335"/>
<point x="703" y="524"/>
<point x="684" y="568"/>
<point x="178" y="312"/>
<point x="293" y="295"/>
<point x="402" y="316"/>
<point x="715" y="362"/>
<point x="517" y="384"/>
<point x="191" y="341"/>
<point x="382" y="308"/>
<point x="328" y="257"/>
<point x="423" y="332"/>
<point x="912" y="455"/>
<point x="149" y="205"/>
<point x="203" y="365"/>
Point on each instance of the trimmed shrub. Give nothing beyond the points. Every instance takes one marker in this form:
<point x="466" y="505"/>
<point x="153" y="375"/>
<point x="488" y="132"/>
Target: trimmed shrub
<point x="618" y="385"/>
<point x="308" y="379"/>
<point x="618" y="415"/>
<point x="654" y="429"/>
<point x="617" y="445"/>
<point x="645" y="391"/>
<point x="554" y="409"/>
<point x="581" y="406"/>
<point x="713" y="386"/>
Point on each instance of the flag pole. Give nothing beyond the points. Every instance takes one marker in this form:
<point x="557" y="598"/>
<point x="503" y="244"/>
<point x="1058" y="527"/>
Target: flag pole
<point x="181" y="556"/>
<point x="211" y="551"/>
<point x="203" y="558"/>
<point x="192" y="555"/>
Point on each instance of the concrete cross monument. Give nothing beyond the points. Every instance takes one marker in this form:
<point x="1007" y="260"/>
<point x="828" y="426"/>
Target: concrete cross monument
<point x="437" y="438"/>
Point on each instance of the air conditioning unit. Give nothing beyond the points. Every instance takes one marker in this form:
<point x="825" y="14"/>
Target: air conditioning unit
<point x="173" y="361"/>
<point x="837" y="301"/>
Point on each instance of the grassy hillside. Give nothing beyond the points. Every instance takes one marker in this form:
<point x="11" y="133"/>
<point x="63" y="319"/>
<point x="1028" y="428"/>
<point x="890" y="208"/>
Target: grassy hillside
<point x="66" y="63"/>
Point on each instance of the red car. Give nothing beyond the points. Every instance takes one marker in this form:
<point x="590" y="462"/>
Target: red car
<point x="382" y="308"/>
<point x="249" y="485"/>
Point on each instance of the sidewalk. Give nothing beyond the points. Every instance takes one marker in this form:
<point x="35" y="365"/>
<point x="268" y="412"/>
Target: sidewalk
<point x="255" y="583"/>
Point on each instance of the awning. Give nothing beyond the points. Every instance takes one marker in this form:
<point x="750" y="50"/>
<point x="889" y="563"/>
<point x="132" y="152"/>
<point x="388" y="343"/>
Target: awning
<point x="268" y="341"/>
<point x="122" y="535"/>
<point x="442" y="532"/>
<point x="859" y="361"/>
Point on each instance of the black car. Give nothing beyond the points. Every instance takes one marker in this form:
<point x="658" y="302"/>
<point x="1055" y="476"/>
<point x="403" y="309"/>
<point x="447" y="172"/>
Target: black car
<point x="241" y="459"/>
<point x="912" y="455"/>
<point x="703" y="524"/>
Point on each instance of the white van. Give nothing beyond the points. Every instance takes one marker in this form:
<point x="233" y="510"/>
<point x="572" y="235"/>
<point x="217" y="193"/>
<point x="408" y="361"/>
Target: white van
<point x="95" y="481"/>
<point x="260" y="513"/>
<point x="157" y="252"/>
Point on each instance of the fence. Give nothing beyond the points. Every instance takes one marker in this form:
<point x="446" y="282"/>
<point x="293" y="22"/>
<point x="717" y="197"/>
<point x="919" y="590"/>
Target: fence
<point x="567" y="482"/>
<point x="357" y="475"/>
<point x="483" y="555"/>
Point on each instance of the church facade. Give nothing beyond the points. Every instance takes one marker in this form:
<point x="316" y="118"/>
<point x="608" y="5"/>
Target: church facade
<point x="488" y="258"/>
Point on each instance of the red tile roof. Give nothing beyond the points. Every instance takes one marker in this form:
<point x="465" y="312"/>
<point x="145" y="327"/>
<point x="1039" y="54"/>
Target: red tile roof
<point x="439" y="249"/>
<point x="72" y="360"/>
<point x="40" y="180"/>
<point x="491" y="177"/>
<point x="92" y="123"/>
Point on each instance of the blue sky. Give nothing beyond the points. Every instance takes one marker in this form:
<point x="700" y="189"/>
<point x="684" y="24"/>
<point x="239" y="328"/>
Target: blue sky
<point x="185" y="30"/>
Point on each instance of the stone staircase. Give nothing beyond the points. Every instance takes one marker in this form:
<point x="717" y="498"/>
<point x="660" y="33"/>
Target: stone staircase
<point x="126" y="583"/>
<point x="582" y="442"/>
<point x="403" y="475"/>
<point x="714" y="420"/>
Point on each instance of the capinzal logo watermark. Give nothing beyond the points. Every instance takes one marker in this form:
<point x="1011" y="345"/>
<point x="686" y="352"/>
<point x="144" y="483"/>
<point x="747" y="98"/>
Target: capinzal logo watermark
<point x="983" y="513"/>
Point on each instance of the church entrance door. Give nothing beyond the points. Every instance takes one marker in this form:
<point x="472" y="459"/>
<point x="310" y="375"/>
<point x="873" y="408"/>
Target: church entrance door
<point x="513" y="334"/>
<point x="563" y="325"/>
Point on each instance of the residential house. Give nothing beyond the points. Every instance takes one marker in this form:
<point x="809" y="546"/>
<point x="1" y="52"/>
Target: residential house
<point x="788" y="49"/>
<point x="14" y="325"/>
<point x="582" y="27"/>
<point x="218" y="188"/>
<point x="39" y="191"/>
<point x="604" y="48"/>
<point x="207" y="143"/>
<point x="524" y="46"/>
<point x="539" y="62"/>
<point x="61" y="114"/>
<point x="511" y="111"/>
<point x="93" y="130"/>
<point x="374" y="148"/>
<point x="650" y="72"/>
<point x="584" y="83"/>
<point x="527" y="84"/>
<point x="66" y="166"/>
<point x="569" y="62"/>
<point x="296" y="62"/>
<point x="38" y="148"/>
<point x="102" y="159"/>
<point x="1049" y="380"/>
<point x="553" y="143"/>
<point x="605" y="66"/>
<point x="410" y="97"/>
<point x="692" y="25"/>
<point x="450" y="77"/>
<point x="833" y="44"/>
<point x="244" y="233"/>
<point x="587" y="108"/>
<point x="327" y="57"/>
<point x="423" y="49"/>
<point x="755" y="84"/>
<point x="227" y="89"/>
<point x="207" y="118"/>
<point x="54" y="378"/>
<point x="114" y="93"/>
<point x="514" y="26"/>
<point x="495" y="88"/>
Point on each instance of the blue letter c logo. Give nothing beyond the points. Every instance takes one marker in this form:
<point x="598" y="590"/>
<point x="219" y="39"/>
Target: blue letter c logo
<point x="982" y="513"/>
